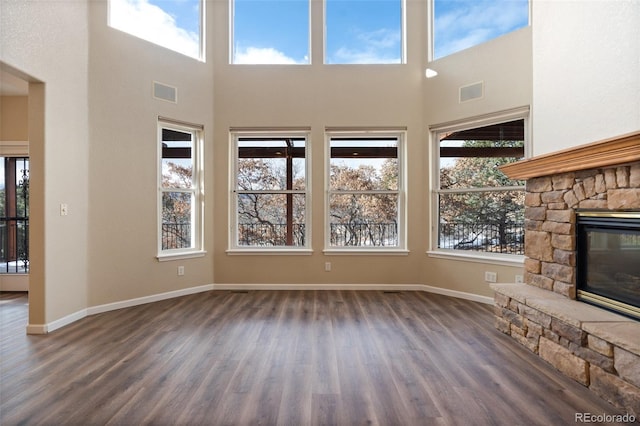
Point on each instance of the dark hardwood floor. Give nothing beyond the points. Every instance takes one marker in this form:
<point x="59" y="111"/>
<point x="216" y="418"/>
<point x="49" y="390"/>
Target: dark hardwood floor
<point x="282" y="357"/>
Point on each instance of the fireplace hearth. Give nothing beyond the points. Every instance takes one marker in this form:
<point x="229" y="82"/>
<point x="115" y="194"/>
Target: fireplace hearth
<point x="582" y="244"/>
<point x="608" y="260"/>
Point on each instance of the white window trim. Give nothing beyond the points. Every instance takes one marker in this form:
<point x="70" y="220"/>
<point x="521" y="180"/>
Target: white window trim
<point x="233" y="247"/>
<point x="401" y="248"/>
<point x="521" y="113"/>
<point x="197" y="213"/>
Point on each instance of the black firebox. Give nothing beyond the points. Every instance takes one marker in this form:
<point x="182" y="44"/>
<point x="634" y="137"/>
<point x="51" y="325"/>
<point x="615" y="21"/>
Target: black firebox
<point x="608" y="260"/>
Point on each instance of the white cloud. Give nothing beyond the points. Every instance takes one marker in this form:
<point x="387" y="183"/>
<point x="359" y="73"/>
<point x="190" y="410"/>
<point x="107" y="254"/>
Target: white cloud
<point x="476" y="23"/>
<point x="374" y="47"/>
<point x="151" y="23"/>
<point x="262" y="55"/>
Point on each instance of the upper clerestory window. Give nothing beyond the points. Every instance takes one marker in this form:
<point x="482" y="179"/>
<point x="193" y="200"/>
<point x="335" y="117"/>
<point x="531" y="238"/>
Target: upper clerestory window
<point x="460" y="24"/>
<point x="270" y="32"/>
<point x="364" y="32"/>
<point x="174" y="24"/>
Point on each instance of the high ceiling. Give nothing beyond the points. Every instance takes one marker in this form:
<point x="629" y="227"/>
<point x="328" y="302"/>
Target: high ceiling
<point x="10" y="85"/>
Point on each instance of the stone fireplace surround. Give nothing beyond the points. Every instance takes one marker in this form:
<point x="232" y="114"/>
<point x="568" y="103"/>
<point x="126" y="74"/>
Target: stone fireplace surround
<point x="595" y="347"/>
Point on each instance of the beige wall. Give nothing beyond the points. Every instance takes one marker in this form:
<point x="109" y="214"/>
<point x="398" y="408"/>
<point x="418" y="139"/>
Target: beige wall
<point x="322" y="96"/>
<point x="13" y="118"/>
<point x="123" y="155"/>
<point x="56" y="55"/>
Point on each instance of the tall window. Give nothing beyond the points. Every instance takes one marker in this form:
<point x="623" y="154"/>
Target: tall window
<point x="270" y="31"/>
<point x="460" y="24"/>
<point x="479" y="208"/>
<point x="14" y="215"/>
<point x="364" y="32"/>
<point x="180" y="189"/>
<point x="174" y="24"/>
<point x="270" y="190"/>
<point x="365" y="193"/>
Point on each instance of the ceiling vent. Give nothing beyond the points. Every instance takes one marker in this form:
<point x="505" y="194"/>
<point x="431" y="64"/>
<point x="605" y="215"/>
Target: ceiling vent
<point x="165" y="92"/>
<point x="472" y="91"/>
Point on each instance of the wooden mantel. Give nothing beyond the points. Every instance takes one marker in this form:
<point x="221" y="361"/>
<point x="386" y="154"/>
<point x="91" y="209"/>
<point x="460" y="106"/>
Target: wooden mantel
<point x="616" y="151"/>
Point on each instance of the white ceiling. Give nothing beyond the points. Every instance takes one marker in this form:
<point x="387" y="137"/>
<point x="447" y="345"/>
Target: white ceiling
<point x="10" y="85"/>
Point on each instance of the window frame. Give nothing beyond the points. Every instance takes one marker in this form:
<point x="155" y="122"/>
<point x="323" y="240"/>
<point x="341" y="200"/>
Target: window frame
<point x="233" y="239"/>
<point x="434" y="213"/>
<point x="401" y="137"/>
<point x="196" y="191"/>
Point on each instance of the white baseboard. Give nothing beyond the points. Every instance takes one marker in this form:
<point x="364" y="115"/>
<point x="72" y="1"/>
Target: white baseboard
<point x="147" y="299"/>
<point x="93" y="310"/>
<point x="380" y="287"/>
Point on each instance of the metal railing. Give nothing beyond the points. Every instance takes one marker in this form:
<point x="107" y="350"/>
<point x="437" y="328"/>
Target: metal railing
<point x="364" y="234"/>
<point x="482" y="237"/>
<point x="176" y="235"/>
<point x="270" y="234"/>
<point x="14" y="245"/>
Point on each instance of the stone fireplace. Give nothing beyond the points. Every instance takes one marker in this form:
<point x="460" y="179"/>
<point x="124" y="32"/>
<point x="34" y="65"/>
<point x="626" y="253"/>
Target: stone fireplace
<point x="591" y="344"/>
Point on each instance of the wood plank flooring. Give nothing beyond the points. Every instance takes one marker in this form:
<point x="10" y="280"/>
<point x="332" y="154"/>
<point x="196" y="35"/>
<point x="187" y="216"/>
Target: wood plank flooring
<point x="281" y="358"/>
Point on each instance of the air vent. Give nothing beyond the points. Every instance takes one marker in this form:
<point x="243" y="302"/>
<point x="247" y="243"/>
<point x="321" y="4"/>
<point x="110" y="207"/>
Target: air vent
<point x="472" y="91"/>
<point x="165" y="92"/>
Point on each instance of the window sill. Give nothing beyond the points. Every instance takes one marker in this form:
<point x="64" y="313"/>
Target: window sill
<point x="495" y="259"/>
<point x="269" y="251"/>
<point x="165" y="257"/>
<point x="366" y="252"/>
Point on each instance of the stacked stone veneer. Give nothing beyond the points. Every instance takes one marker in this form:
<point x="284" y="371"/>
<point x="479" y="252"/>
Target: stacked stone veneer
<point x="595" y="347"/>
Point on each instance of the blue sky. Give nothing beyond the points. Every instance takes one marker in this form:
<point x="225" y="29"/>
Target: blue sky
<point x="357" y="31"/>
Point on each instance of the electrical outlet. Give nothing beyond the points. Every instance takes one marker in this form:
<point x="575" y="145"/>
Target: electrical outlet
<point x="327" y="266"/>
<point x="180" y="271"/>
<point x="490" y="277"/>
<point x="519" y="279"/>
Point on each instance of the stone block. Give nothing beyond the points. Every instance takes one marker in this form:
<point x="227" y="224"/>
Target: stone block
<point x="557" y="206"/>
<point x="564" y="257"/>
<point x="562" y="359"/>
<point x="568" y="290"/>
<point x="532" y="199"/>
<point x="615" y="390"/>
<point x="627" y="365"/>
<point x="634" y="176"/>
<point x="599" y="345"/>
<point x="539" y="184"/>
<point x="571" y="199"/>
<point x="536" y="316"/>
<point x="593" y="204"/>
<point x="537" y="245"/>
<point x="532" y="265"/>
<point x="589" y="186"/>
<point x="610" y="178"/>
<point x="514" y="318"/>
<point x="535" y="213"/>
<point x="562" y="216"/>
<point x="623" y="198"/>
<point x="521" y="337"/>
<point x="557" y="227"/>
<point x="501" y="300"/>
<point x="600" y="185"/>
<point x="562" y="242"/>
<point x="592" y="357"/>
<point x="539" y="281"/>
<point x="533" y="225"/>
<point x="568" y="331"/>
<point x="548" y="334"/>
<point x="502" y="325"/>
<point x="563" y="181"/>
<point x="552" y="197"/>
<point x="578" y="190"/>
<point x="558" y="272"/>
<point x="622" y="176"/>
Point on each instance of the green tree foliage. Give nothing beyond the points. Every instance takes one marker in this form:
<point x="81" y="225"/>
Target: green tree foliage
<point x="492" y="216"/>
